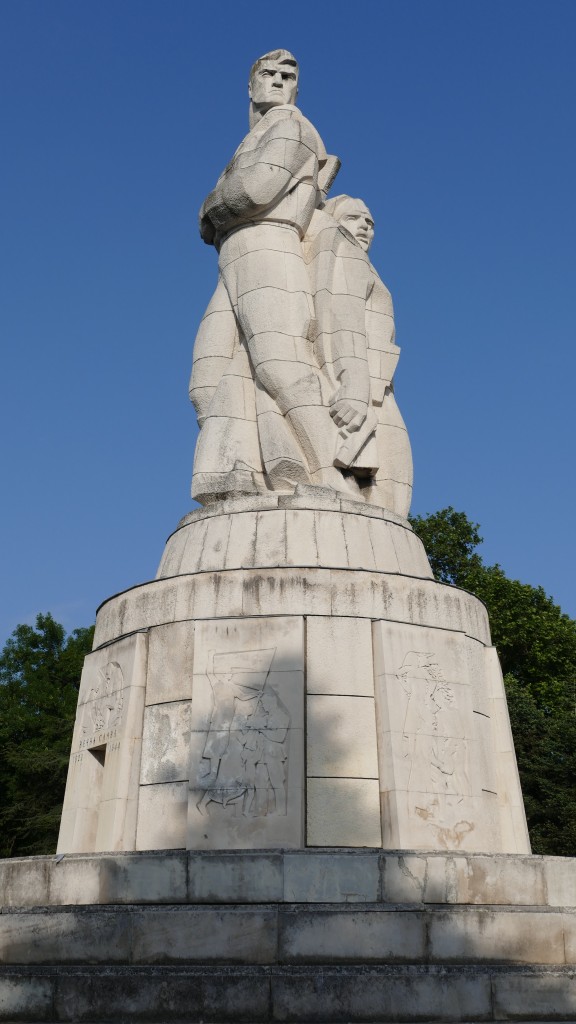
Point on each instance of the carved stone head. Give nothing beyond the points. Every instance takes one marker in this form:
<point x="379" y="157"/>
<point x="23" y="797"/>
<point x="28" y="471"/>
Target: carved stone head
<point x="273" y="81"/>
<point x="354" y="215"/>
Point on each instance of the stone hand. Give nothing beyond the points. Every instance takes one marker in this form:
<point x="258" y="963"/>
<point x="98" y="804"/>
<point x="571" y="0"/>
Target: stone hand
<point x="349" y="413"/>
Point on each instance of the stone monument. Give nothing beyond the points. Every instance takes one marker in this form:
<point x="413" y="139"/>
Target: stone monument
<point x="293" y="794"/>
<point x="294" y="676"/>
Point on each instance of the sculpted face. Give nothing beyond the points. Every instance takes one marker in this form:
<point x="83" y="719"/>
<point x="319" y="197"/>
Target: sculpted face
<point x="274" y="82"/>
<point x="357" y="219"/>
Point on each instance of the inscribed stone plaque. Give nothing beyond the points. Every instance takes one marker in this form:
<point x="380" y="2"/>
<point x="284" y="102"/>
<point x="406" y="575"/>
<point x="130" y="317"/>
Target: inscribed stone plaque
<point x="102" y="788"/>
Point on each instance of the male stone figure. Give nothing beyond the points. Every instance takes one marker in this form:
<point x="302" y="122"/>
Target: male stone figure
<point x="256" y="216"/>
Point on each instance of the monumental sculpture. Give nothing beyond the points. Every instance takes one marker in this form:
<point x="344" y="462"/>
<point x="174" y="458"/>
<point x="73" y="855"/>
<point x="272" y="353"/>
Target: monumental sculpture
<point x="293" y="682"/>
<point x="294" y="676"/>
<point x="296" y="349"/>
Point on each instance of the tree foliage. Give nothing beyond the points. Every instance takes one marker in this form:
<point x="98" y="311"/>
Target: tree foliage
<point x="536" y="643"/>
<point x="39" y="675"/>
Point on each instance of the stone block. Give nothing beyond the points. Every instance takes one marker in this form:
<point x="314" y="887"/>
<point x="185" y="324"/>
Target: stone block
<point x="105" y="759"/>
<point x="301" y="541"/>
<point x="162" y="812"/>
<point x="560" y="879"/>
<point x="351" y="936"/>
<point x="545" y="995"/>
<point x="144" y="878"/>
<point x="236" y="877"/>
<point x="170" y="660"/>
<point x="128" y="995"/>
<point x="569" y="929"/>
<point x="403" y="877"/>
<point x="242" y="541"/>
<point x="204" y="934"/>
<point x="500" y="879"/>
<point x="25" y="997"/>
<point x="381" y="994"/>
<point x="331" y="877"/>
<point x="385" y="557"/>
<point x="271" y="538"/>
<point x="339" y="656"/>
<point x="343" y="812"/>
<point x="75" y="880"/>
<point x="497" y="936"/>
<point x="358" y="542"/>
<point x="166" y="742"/>
<point x="341" y="737"/>
<point x="274" y="592"/>
<point x="52" y="936"/>
<point x="24" y="882"/>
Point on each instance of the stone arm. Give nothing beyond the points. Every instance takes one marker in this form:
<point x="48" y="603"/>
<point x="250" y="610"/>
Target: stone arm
<point x="350" y="403"/>
<point x="257" y="179"/>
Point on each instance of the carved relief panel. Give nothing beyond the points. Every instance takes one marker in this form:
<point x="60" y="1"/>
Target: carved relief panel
<point x="246" y="738"/>
<point x="100" y="803"/>
<point x="432" y="756"/>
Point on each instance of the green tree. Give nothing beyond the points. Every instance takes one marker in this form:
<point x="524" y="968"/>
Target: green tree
<point x="39" y="676"/>
<point x="536" y="643"/>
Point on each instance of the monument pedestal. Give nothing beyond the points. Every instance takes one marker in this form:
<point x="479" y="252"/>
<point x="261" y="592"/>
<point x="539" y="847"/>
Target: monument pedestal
<point x="295" y="935"/>
<point x="293" y="677"/>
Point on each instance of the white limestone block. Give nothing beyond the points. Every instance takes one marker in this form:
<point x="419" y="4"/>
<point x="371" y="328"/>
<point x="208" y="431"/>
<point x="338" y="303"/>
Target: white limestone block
<point x="170" y="653"/>
<point x="385" y="557"/>
<point x="512" y="815"/>
<point x="343" y="812"/>
<point x="247" y="734"/>
<point x="242" y="540"/>
<point x="351" y="936"/>
<point x="331" y="878"/>
<point x="506" y="937"/>
<point x="102" y="781"/>
<point x="215" y="544"/>
<point x="359" y="550"/>
<point x="271" y="538"/>
<point x="339" y="656"/>
<point x="341" y="737"/>
<point x="162" y="814"/>
<point x="166" y="743"/>
<point x="301" y="540"/>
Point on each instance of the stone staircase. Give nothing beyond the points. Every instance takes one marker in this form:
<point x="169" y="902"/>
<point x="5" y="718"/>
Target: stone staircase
<point x="296" y="936"/>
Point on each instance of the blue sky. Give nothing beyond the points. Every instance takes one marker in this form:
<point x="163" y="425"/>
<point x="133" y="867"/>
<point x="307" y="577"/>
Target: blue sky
<point x="454" y="120"/>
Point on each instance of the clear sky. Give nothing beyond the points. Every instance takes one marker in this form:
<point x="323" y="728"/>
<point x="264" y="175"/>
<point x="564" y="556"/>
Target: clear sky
<point x="454" y="120"/>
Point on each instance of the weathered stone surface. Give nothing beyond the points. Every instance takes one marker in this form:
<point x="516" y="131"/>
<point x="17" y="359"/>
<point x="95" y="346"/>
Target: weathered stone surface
<point x="309" y="876"/>
<point x="247" y="735"/>
<point x="343" y="812"/>
<point x="222" y="877"/>
<point x="334" y="877"/>
<point x="350" y="936"/>
<point x="213" y="935"/>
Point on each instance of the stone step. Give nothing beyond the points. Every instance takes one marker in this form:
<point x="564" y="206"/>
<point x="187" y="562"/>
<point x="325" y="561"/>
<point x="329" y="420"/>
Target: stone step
<point x="301" y="995"/>
<point x="288" y="876"/>
<point x="288" y="934"/>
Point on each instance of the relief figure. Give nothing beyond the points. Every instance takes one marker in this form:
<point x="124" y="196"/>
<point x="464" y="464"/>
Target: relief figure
<point x="244" y="759"/>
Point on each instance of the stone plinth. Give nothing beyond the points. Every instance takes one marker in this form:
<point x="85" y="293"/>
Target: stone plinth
<point x="302" y="936"/>
<point x="293" y="677"/>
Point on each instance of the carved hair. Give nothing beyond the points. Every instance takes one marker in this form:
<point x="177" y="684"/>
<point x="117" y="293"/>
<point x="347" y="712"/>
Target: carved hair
<point x="282" y="56"/>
